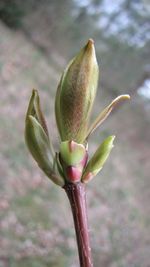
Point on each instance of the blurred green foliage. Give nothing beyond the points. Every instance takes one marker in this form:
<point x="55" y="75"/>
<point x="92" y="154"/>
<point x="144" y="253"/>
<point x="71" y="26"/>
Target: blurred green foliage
<point x="11" y="13"/>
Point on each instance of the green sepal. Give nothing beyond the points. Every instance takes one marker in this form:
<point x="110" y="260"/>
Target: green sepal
<point x="72" y="153"/>
<point x="98" y="159"/>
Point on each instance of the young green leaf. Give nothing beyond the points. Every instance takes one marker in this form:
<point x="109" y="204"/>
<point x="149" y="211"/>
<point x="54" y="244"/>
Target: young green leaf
<point x="34" y="109"/>
<point x="104" y="114"/>
<point x="38" y="145"/>
<point x="98" y="159"/>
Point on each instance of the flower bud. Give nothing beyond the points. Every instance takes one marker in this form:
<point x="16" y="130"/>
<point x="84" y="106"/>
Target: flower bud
<point x="97" y="161"/>
<point x="73" y="158"/>
<point x="76" y="93"/>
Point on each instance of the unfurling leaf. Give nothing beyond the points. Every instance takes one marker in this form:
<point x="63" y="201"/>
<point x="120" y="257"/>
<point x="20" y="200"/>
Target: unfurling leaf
<point x="105" y="112"/>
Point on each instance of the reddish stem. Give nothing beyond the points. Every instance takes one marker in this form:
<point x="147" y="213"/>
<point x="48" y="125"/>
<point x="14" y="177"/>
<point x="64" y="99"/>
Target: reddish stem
<point x="77" y="198"/>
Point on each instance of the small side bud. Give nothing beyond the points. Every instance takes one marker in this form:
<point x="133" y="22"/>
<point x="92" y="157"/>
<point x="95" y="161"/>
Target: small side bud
<point x="99" y="158"/>
<point x="73" y="158"/>
<point x="76" y="93"/>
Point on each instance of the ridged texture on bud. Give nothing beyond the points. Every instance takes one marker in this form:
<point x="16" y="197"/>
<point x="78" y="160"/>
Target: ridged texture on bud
<point x="75" y="95"/>
<point x="97" y="161"/>
<point x="73" y="158"/>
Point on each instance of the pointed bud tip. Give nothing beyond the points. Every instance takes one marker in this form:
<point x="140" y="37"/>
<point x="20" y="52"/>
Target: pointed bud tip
<point x="90" y="48"/>
<point x="34" y="92"/>
<point x="91" y="41"/>
<point x="113" y="137"/>
<point x="112" y="140"/>
<point x="90" y="45"/>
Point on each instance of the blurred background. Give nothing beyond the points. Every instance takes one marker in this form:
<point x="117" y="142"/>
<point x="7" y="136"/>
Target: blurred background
<point x="37" y="39"/>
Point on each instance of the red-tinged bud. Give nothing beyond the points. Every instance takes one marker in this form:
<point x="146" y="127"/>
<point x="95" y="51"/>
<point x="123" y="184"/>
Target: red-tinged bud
<point x="73" y="174"/>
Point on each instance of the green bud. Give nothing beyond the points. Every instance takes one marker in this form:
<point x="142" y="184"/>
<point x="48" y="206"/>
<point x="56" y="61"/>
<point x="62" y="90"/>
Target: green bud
<point x="71" y="152"/>
<point x="76" y="93"/>
<point x="97" y="161"/>
<point x="37" y="139"/>
<point x="73" y="158"/>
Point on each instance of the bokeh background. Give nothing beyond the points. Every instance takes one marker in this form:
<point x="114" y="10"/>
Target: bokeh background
<point x="37" y="39"/>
